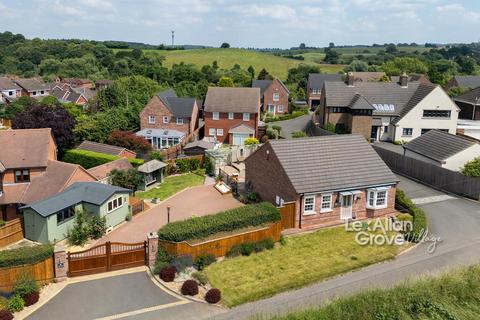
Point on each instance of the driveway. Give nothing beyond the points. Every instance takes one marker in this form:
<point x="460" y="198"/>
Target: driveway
<point x="289" y="126"/>
<point x="198" y="201"/>
<point x="455" y="220"/>
<point x="128" y="296"/>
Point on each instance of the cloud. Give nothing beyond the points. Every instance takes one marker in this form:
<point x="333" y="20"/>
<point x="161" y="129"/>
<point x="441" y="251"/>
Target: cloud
<point x="457" y="10"/>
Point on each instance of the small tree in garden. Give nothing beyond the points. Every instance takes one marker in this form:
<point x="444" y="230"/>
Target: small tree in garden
<point x="189" y="288"/>
<point x="299" y="134"/>
<point x="251" y="141"/>
<point x="226" y="82"/>
<point x="472" y="168"/>
<point x="129" y="178"/>
<point x="78" y="235"/>
<point x="130" y="141"/>
<point x="97" y="226"/>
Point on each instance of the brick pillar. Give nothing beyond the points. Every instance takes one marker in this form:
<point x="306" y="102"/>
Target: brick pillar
<point x="152" y="243"/>
<point x="61" y="263"/>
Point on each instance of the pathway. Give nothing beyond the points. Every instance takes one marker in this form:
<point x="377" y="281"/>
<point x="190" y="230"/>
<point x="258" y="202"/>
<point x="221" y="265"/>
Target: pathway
<point x="289" y="126"/>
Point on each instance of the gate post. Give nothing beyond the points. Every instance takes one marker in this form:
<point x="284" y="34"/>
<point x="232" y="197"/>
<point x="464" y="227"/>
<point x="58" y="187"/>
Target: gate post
<point x="152" y="243"/>
<point x="108" y="251"/>
<point x="60" y="261"/>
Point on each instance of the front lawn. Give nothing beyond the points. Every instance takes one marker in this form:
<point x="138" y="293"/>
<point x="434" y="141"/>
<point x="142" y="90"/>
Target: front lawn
<point x="303" y="259"/>
<point x="172" y="185"/>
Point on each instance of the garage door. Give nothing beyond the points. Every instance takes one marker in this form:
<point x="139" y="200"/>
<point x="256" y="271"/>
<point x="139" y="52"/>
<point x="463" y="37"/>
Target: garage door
<point x="239" y="138"/>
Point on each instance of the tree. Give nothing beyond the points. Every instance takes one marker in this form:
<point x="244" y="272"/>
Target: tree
<point x="302" y="46"/>
<point x="356" y="65"/>
<point x="16" y="107"/>
<point x="130" y="141"/>
<point x="399" y="65"/>
<point x="54" y="117"/>
<point x="331" y="45"/>
<point x="391" y="48"/>
<point x="225" y="45"/>
<point x="299" y="75"/>
<point x="129" y="179"/>
<point x="264" y="75"/>
<point x="225" y="82"/>
<point x="331" y="56"/>
<point x="472" y="168"/>
<point x="251" y="70"/>
<point x="251" y="141"/>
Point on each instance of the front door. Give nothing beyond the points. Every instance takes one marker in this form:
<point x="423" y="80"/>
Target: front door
<point x="271" y="108"/>
<point x="374" y="133"/>
<point x="346" y="209"/>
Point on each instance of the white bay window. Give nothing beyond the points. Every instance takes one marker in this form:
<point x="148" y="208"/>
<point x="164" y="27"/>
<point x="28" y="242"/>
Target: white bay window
<point x="377" y="198"/>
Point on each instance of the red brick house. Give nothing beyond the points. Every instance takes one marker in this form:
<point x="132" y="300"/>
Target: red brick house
<point x="327" y="179"/>
<point x="167" y="119"/>
<point x="274" y="96"/>
<point x="232" y="114"/>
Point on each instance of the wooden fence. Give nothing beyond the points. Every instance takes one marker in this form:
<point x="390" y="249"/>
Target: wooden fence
<point x="430" y="174"/>
<point x="219" y="247"/>
<point x="288" y="212"/>
<point x="42" y="271"/>
<point x="175" y="151"/>
<point x="11" y="232"/>
<point x="137" y="205"/>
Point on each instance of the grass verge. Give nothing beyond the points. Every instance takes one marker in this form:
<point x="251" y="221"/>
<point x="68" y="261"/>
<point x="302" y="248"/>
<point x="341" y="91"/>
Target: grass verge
<point x="172" y="185"/>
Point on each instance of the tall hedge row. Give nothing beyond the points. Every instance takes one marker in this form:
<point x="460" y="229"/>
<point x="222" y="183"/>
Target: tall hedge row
<point x="419" y="218"/>
<point x="230" y="220"/>
<point x="90" y="159"/>
<point x="25" y="255"/>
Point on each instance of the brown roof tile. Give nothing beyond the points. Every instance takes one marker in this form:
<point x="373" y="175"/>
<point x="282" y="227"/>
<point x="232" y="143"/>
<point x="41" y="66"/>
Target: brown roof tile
<point x="233" y="100"/>
<point x="101" y="172"/>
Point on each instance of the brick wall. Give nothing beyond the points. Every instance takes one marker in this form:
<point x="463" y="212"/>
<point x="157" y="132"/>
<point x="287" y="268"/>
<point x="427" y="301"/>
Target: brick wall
<point x="155" y="107"/>
<point x="276" y="87"/>
<point x="226" y="124"/>
<point x="362" y="125"/>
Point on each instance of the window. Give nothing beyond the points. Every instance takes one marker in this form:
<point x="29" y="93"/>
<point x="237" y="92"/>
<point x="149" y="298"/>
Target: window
<point x="114" y="204"/>
<point x="151" y="119"/>
<point x="166" y="119"/>
<point x="22" y="175"/>
<point x="385" y="129"/>
<point x="220" y="132"/>
<point x="280" y="108"/>
<point x="179" y="120"/>
<point x="246" y="116"/>
<point x="407" y="132"/>
<point x="34" y="93"/>
<point x="436" y="113"/>
<point x="65" y="215"/>
<point x="338" y="109"/>
<point x="230" y="116"/>
<point x="377" y="198"/>
<point x="309" y="205"/>
<point x="326" y="203"/>
<point x="42" y="92"/>
<point x="211" y="131"/>
<point x="276" y="96"/>
<point x="10" y="93"/>
<point x="381" y="198"/>
<point x="216" y="115"/>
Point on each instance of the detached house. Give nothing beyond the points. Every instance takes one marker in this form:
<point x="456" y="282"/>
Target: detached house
<point x="463" y="82"/>
<point x="167" y="120"/>
<point x="9" y="90"/>
<point x="322" y="180"/>
<point x="315" y="85"/>
<point x="386" y="111"/>
<point x="33" y="88"/>
<point x="274" y="95"/>
<point x="232" y="114"/>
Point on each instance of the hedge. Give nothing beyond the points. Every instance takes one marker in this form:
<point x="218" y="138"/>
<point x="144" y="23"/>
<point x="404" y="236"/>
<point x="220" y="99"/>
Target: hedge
<point x="25" y="255"/>
<point x="90" y="159"/>
<point x="419" y="217"/>
<point x="230" y="220"/>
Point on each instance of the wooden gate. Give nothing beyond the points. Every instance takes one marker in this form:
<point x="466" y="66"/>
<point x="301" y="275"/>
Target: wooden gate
<point x="288" y="215"/>
<point x="107" y="257"/>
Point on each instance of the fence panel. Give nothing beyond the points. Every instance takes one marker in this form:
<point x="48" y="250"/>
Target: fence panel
<point x="11" y="232"/>
<point x="42" y="271"/>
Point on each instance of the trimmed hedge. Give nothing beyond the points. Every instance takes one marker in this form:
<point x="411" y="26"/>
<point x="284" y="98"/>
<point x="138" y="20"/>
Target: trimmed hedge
<point x="402" y="202"/>
<point x="25" y="255"/>
<point x="230" y="220"/>
<point x="90" y="159"/>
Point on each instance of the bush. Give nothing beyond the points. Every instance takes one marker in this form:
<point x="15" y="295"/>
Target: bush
<point x="16" y="303"/>
<point x="90" y="159"/>
<point x="163" y="260"/>
<point x="277" y="127"/>
<point x="402" y="202"/>
<point x="204" y="260"/>
<point x="97" y="226"/>
<point x="167" y="274"/>
<point x="200" y="277"/>
<point x="189" y="288"/>
<point x="213" y="296"/>
<point x="78" y="235"/>
<point x="184" y="165"/>
<point x="251" y="141"/>
<point x="261" y="245"/>
<point x="298" y="134"/>
<point x="472" y="168"/>
<point x="230" y="220"/>
<point x="24" y="255"/>
<point x="129" y="140"/>
<point x="182" y="262"/>
<point x="246" y="248"/>
<point x="283" y="241"/>
<point x="252" y="196"/>
<point x="6" y="315"/>
<point x="31" y="298"/>
<point x="3" y="303"/>
<point x="24" y="285"/>
<point x="208" y="166"/>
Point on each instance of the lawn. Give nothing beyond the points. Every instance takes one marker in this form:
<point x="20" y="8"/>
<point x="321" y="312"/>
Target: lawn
<point x="303" y="259"/>
<point x="172" y="185"/>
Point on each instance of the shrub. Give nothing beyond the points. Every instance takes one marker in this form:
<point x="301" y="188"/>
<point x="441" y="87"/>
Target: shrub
<point x="156" y="155"/>
<point x="234" y="252"/>
<point x="182" y="262"/>
<point x="246" y="248"/>
<point x="298" y="134"/>
<point x="130" y="141"/>
<point x="78" y="235"/>
<point x="97" y="226"/>
<point x="16" y="304"/>
<point x="200" y="277"/>
<point x="208" y="166"/>
<point x="189" y="288"/>
<point x="163" y="260"/>
<point x="3" y="303"/>
<point x="251" y="141"/>
<point x="167" y="274"/>
<point x="283" y="241"/>
<point x="6" y="315"/>
<point x="402" y="202"/>
<point x="184" y="165"/>
<point x="261" y="245"/>
<point x="2" y="223"/>
<point x="24" y="255"/>
<point x="25" y="284"/>
<point x="204" y="260"/>
<point x="277" y="127"/>
<point x="90" y="159"/>
<point x="31" y="298"/>
<point x="201" y="227"/>
<point x="252" y="196"/>
<point x="213" y="296"/>
<point x="288" y="116"/>
<point x="129" y="178"/>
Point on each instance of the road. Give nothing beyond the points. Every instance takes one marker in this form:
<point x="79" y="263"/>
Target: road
<point x="289" y="126"/>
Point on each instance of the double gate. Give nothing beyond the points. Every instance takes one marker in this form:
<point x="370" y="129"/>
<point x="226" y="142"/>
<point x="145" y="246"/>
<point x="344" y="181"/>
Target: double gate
<point x="107" y="257"/>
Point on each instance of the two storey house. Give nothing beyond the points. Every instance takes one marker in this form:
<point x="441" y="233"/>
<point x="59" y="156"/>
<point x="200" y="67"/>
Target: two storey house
<point x="274" y="96"/>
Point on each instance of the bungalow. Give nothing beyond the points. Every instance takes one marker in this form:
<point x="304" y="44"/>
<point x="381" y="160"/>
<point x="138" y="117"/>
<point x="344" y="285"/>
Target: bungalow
<point x="33" y="87"/>
<point x="274" y="96"/>
<point x="102" y="171"/>
<point x="66" y="94"/>
<point x="107" y="149"/>
<point x="49" y="220"/>
<point x="325" y="180"/>
<point x="443" y="149"/>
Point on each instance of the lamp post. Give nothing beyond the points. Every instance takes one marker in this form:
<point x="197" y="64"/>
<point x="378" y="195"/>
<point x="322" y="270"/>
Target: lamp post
<point x="168" y="214"/>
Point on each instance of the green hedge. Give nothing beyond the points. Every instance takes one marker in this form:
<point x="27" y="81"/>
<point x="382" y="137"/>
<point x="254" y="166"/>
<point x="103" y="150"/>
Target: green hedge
<point x="25" y="255"/>
<point x="288" y="116"/>
<point x="90" y="159"/>
<point x="419" y="218"/>
<point x="230" y="220"/>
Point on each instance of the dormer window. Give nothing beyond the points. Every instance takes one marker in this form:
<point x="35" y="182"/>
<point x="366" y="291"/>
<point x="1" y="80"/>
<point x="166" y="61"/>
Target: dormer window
<point x="22" y="175"/>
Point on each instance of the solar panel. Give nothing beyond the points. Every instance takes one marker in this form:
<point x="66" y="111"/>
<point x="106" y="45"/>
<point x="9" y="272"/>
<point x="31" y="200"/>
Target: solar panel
<point x="384" y="107"/>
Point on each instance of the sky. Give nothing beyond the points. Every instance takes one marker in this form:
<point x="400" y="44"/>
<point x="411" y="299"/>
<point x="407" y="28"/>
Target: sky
<point x="246" y="23"/>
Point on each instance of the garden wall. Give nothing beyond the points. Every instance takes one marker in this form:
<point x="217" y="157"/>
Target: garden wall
<point x="11" y="232"/>
<point x="219" y="247"/>
<point x="42" y="271"/>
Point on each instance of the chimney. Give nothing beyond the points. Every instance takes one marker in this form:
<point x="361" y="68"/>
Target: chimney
<point x="403" y="80"/>
<point x="350" y="79"/>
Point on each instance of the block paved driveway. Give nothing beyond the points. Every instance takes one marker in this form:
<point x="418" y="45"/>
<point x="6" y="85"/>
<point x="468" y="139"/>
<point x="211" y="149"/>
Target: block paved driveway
<point x="198" y="201"/>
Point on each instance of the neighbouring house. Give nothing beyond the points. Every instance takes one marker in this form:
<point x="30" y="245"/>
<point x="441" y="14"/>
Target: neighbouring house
<point x="273" y="96"/>
<point x="168" y="120"/>
<point x="386" y="111"/>
<point x="443" y="149"/>
<point x="153" y="172"/>
<point x="367" y="76"/>
<point x="232" y="114"/>
<point x="77" y="82"/>
<point x="9" y="90"/>
<point x="469" y="104"/>
<point x="315" y="85"/>
<point x="106" y="148"/>
<point x="33" y="87"/>
<point x="49" y="220"/>
<point x="198" y="147"/>
<point x="326" y="180"/>
<point x="102" y="84"/>
<point x="102" y="171"/>
<point x="29" y="171"/>
<point x="66" y="94"/>
<point x="415" y="77"/>
<point x="463" y="82"/>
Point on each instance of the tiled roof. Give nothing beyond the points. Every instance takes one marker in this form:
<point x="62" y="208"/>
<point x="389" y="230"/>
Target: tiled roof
<point x="242" y="128"/>
<point x="32" y="84"/>
<point x="6" y="84"/>
<point x="101" y="172"/>
<point x="468" y="81"/>
<point x="327" y="163"/>
<point x="471" y="97"/>
<point x="233" y="100"/>
<point x="151" y="166"/>
<point x="262" y="84"/>
<point x="101" y="148"/>
<point x="316" y="80"/>
<point x="359" y="102"/>
<point x="179" y="107"/>
<point x="438" y="145"/>
<point x="200" y="144"/>
<point x="368" y="76"/>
